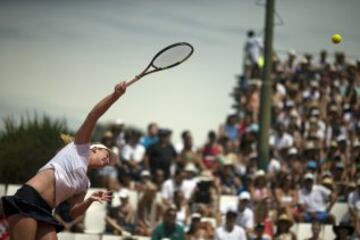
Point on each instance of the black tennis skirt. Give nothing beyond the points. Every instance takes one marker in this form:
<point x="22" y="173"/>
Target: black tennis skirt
<point x="28" y="202"/>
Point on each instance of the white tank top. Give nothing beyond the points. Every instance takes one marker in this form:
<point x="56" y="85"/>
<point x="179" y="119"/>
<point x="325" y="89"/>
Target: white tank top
<point x="70" y="167"/>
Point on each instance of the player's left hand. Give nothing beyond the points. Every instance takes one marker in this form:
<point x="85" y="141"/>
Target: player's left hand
<point x="101" y="196"/>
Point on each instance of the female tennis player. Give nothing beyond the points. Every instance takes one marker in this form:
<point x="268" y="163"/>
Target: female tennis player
<point x="62" y="178"/>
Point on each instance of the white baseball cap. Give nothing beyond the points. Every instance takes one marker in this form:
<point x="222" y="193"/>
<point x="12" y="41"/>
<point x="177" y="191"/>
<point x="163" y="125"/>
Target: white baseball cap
<point x="244" y="196"/>
<point x="309" y="176"/>
<point x="124" y="193"/>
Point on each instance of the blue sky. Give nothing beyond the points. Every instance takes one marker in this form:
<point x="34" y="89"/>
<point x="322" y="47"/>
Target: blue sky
<point x="61" y="57"/>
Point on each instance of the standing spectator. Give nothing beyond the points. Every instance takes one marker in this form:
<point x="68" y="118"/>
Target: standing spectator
<point x="253" y="54"/>
<point x="210" y="151"/>
<point x="230" y="231"/>
<point x="161" y="154"/>
<point x="152" y="135"/>
<point x="169" y="229"/>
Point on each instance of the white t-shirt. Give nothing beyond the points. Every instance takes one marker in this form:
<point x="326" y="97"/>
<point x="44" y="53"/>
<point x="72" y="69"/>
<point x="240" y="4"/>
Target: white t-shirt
<point x="354" y="201"/>
<point x="70" y="166"/>
<point x="285" y="141"/>
<point x="245" y="219"/>
<point x="135" y="153"/>
<point x="316" y="200"/>
<point x="237" y="233"/>
<point x="274" y="165"/>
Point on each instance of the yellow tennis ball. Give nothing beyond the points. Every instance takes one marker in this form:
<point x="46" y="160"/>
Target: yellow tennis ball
<point x="336" y="38"/>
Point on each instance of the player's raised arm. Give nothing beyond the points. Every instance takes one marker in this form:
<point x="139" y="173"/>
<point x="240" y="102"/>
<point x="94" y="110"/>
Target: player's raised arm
<point x="83" y="135"/>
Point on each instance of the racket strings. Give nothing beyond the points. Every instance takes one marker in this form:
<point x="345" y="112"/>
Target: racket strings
<point x="172" y="56"/>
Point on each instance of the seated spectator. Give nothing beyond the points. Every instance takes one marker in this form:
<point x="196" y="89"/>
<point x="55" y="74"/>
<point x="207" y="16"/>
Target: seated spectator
<point x="230" y="230"/>
<point x="259" y="233"/>
<point x="315" y="230"/>
<point x="168" y="229"/>
<point x="286" y="196"/>
<point x="132" y="154"/>
<point x="121" y="218"/>
<point x="204" y="198"/>
<point x="315" y="202"/>
<point x="343" y="231"/>
<point x="182" y="210"/>
<point x="283" y="231"/>
<point x="259" y="190"/>
<point x="171" y="185"/>
<point x="195" y="231"/>
<point x="354" y="202"/>
<point x="210" y="151"/>
<point x="245" y="216"/>
<point x="149" y="210"/>
<point x="230" y="183"/>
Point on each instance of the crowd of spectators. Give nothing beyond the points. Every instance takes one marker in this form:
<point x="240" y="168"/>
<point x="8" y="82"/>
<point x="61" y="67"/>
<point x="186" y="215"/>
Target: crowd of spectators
<point x="314" y="162"/>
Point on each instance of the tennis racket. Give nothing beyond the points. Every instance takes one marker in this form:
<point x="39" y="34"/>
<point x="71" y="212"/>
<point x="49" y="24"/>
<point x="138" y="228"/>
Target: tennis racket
<point x="166" y="58"/>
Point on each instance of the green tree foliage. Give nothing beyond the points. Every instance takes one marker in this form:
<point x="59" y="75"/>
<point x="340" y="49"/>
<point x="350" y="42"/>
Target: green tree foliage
<point x="28" y="145"/>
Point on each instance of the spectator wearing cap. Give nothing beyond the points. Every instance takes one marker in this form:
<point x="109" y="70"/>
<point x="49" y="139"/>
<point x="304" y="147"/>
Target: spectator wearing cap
<point x="169" y="229"/>
<point x="259" y="190"/>
<point x="230" y="183"/>
<point x="354" y="202"/>
<point x="210" y="151"/>
<point x="245" y="217"/>
<point x="161" y="154"/>
<point x="145" y="177"/>
<point x="195" y="231"/>
<point x="230" y="231"/>
<point x="283" y="225"/>
<point x="190" y="180"/>
<point x="121" y="218"/>
<point x="133" y="153"/>
<point x="152" y="135"/>
<point x="315" y="202"/>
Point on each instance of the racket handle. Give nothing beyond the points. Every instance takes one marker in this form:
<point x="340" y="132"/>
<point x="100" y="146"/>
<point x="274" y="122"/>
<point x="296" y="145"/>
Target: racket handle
<point x="133" y="80"/>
